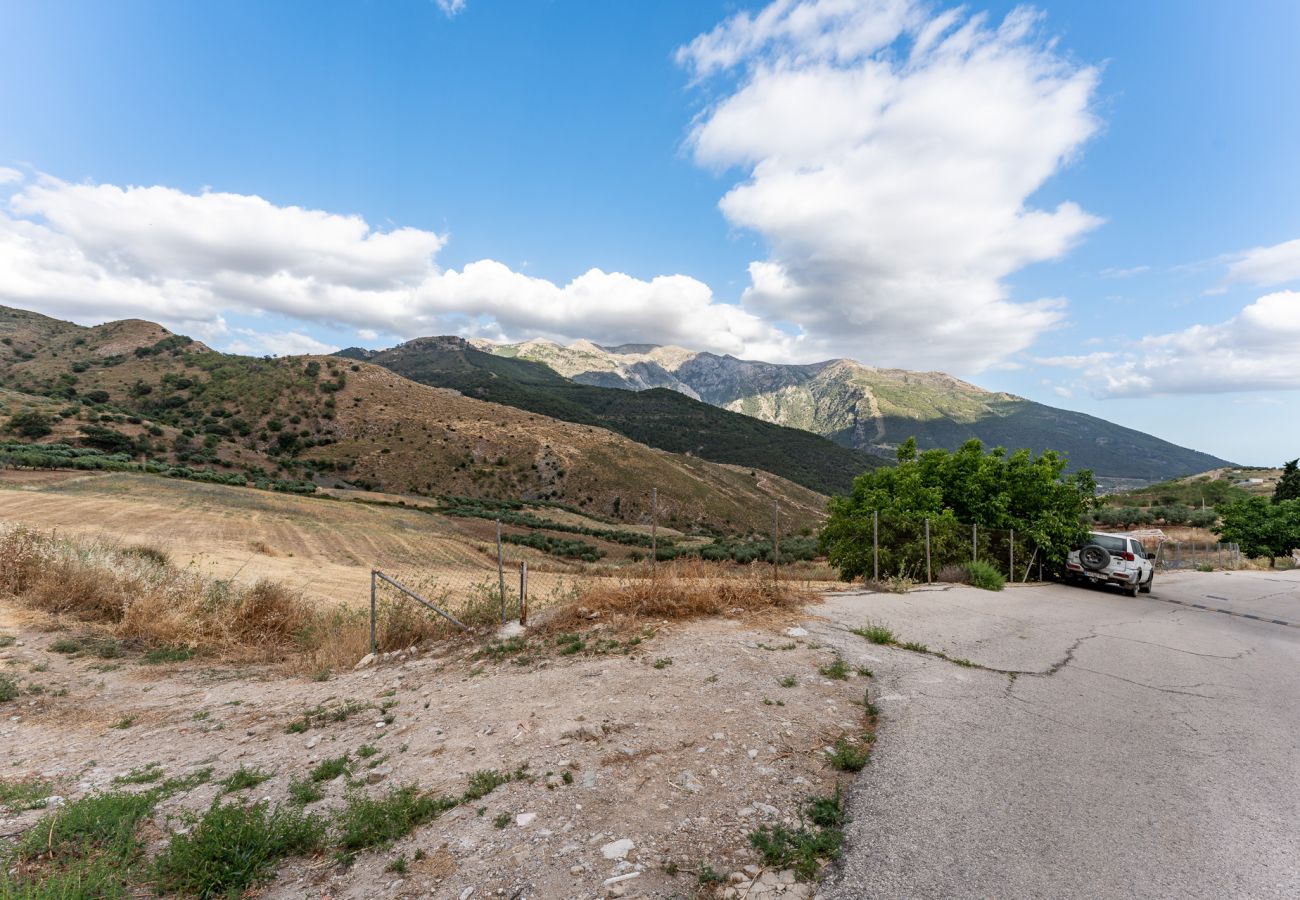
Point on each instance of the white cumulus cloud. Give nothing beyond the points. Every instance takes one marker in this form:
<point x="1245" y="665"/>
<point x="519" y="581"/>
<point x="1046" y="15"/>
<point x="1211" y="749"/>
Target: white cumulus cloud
<point x="451" y="7"/>
<point x="1267" y="266"/>
<point x="1257" y="349"/>
<point x="97" y="251"/>
<point x="890" y="157"/>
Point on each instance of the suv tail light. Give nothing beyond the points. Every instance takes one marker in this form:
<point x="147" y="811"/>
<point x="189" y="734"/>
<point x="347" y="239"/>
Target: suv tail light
<point x="1129" y="557"/>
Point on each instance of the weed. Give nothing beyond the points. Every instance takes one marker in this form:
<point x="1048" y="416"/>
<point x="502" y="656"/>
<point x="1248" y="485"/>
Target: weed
<point x="200" y="715"/>
<point x="708" y="876"/>
<point x="670" y="869"/>
<point x="712" y="679"/>
<point x="788" y="681"/>
<point x="985" y="575"/>
<point x="303" y="791"/>
<point x="397" y="866"/>
<point x="183" y="783"/>
<point x="826" y="812"/>
<point x="167" y="654"/>
<point x="865" y="672"/>
<point x="484" y="782"/>
<point x="365" y="751"/>
<point x="7" y="640"/>
<point x="915" y="647"/>
<point x="8" y="689"/>
<point x="97" y="825"/>
<point x="124" y="723"/>
<point x="875" y="633"/>
<point x="569" y="644"/>
<point x="242" y="779"/>
<point x="502" y="820"/>
<point x="322" y="675"/>
<point x="323" y="715"/>
<point x="143" y="775"/>
<point x="803" y="848"/>
<point x="837" y="669"/>
<point x="17" y="796"/>
<point x="566" y="776"/>
<point x="663" y="662"/>
<point x="365" y="822"/>
<point x="847" y="756"/>
<point x="330" y="769"/>
<point x="41" y="667"/>
<point x="233" y="847"/>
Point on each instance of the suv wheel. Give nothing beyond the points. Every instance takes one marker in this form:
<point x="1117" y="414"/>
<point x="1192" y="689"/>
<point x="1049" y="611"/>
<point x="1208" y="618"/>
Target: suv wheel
<point x="1132" y="590"/>
<point x="1094" y="557"/>
<point x="1146" y="588"/>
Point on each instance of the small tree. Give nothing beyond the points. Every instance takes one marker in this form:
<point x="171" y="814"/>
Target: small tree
<point x="1288" y="486"/>
<point x="1261" y="528"/>
<point x="993" y="490"/>
<point x="31" y="424"/>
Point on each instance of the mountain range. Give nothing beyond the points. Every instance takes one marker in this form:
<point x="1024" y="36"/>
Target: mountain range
<point x="867" y="408"/>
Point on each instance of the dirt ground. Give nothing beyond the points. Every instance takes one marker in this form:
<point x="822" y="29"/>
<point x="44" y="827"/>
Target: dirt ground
<point x="682" y="745"/>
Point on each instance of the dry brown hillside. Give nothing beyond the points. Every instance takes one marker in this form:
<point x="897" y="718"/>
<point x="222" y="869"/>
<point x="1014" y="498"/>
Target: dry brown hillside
<point x="354" y="424"/>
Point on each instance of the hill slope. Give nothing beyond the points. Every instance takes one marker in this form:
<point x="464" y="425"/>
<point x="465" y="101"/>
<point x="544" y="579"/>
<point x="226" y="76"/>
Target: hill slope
<point x="165" y="397"/>
<point x="665" y="419"/>
<point x="868" y="408"/>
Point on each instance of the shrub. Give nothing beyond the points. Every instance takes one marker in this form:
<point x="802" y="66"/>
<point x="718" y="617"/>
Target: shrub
<point x="366" y="822"/>
<point x="233" y="847"/>
<point x="31" y="424"/>
<point x="847" y="756"/>
<point x="876" y="633"/>
<point x="984" y="575"/>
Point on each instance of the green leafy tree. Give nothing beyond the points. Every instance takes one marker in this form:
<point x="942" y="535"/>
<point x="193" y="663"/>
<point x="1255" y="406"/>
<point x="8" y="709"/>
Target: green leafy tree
<point x="31" y="424"/>
<point x="1288" y="486"/>
<point x="994" y="490"/>
<point x="1261" y="528"/>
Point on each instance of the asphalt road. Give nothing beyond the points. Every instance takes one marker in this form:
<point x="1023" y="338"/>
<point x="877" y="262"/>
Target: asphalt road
<point x="1149" y="749"/>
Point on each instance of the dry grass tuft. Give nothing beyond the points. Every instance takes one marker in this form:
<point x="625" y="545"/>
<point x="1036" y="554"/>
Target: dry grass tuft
<point x="682" y="589"/>
<point x="141" y="597"/>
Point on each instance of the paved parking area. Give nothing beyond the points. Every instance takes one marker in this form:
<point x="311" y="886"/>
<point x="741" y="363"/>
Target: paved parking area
<point x="1142" y="747"/>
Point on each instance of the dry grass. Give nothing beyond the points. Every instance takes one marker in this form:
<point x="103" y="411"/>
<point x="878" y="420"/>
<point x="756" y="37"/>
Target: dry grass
<point x="683" y="589"/>
<point x="141" y="597"/>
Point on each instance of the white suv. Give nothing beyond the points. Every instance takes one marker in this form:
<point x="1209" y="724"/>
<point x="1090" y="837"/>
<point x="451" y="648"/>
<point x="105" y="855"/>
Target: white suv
<point x="1112" y="559"/>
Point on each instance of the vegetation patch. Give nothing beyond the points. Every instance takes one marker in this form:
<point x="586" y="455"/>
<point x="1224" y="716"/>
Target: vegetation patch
<point x="30" y="793"/>
<point x="818" y="838"/>
<point x="232" y="847"/>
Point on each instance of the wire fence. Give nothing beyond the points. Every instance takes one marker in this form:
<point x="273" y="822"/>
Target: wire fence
<point x="1198" y="555"/>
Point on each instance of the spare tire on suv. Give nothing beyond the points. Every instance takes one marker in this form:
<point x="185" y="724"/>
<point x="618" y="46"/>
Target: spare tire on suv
<point x="1094" y="557"/>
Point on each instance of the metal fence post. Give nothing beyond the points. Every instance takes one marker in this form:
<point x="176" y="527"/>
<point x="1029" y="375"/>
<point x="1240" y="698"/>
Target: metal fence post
<point x="875" y="545"/>
<point x="776" y="540"/>
<point x="523" y="592"/>
<point x="501" y="573"/>
<point x="928" y="578"/>
<point x="373" y="586"/>
<point x="654" y="532"/>
<point x="1011" y="549"/>
<point x="974" y="543"/>
<point x="1178" y="555"/>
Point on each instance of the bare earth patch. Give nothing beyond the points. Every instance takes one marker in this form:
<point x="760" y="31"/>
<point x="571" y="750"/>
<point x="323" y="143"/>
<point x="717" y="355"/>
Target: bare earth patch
<point x="680" y="743"/>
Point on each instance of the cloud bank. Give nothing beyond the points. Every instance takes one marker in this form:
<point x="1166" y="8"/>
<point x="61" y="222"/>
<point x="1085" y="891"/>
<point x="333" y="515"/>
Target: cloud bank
<point x="1257" y="349"/>
<point x="96" y="251"/>
<point x="890" y="157"/>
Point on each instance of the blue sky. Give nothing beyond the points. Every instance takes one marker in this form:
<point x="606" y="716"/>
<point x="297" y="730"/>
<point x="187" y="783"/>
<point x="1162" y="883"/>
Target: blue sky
<point x="492" y="158"/>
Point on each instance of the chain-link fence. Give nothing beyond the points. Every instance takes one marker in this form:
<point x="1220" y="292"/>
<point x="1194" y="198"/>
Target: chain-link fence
<point x="1197" y="555"/>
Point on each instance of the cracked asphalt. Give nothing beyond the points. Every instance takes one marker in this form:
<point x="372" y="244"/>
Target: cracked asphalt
<point x="1144" y="749"/>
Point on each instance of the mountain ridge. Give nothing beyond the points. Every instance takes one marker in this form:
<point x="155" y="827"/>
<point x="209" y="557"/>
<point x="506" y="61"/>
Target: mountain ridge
<point x="870" y="408"/>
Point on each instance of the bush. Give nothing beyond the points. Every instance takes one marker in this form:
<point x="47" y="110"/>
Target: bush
<point x="367" y="822"/>
<point x="233" y="847"/>
<point x="984" y="575"/>
<point x="30" y="424"/>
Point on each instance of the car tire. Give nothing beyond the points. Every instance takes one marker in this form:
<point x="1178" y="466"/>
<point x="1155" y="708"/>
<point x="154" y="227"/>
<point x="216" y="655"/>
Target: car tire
<point x="1146" y="588"/>
<point x="1094" y="557"/>
<point x="1132" y="590"/>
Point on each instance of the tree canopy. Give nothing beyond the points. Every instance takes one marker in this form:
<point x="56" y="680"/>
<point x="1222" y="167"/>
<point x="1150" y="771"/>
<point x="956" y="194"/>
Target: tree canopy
<point x="1288" y="486"/>
<point x="1261" y="528"/>
<point x="954" y="490"/>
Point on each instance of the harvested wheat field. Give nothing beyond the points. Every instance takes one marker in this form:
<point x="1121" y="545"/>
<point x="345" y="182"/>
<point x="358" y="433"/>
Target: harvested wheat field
<point x="632" y="745"/>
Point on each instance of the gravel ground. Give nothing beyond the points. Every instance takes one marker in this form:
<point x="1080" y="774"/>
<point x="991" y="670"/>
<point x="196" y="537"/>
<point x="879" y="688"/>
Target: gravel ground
<point x="642" y="767"/>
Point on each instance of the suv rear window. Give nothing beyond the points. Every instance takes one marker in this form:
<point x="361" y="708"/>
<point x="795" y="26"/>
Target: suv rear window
<point x="1111" y="543"/>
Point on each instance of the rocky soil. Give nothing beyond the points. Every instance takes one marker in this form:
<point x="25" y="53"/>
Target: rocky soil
<point x="643" y="762"/>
